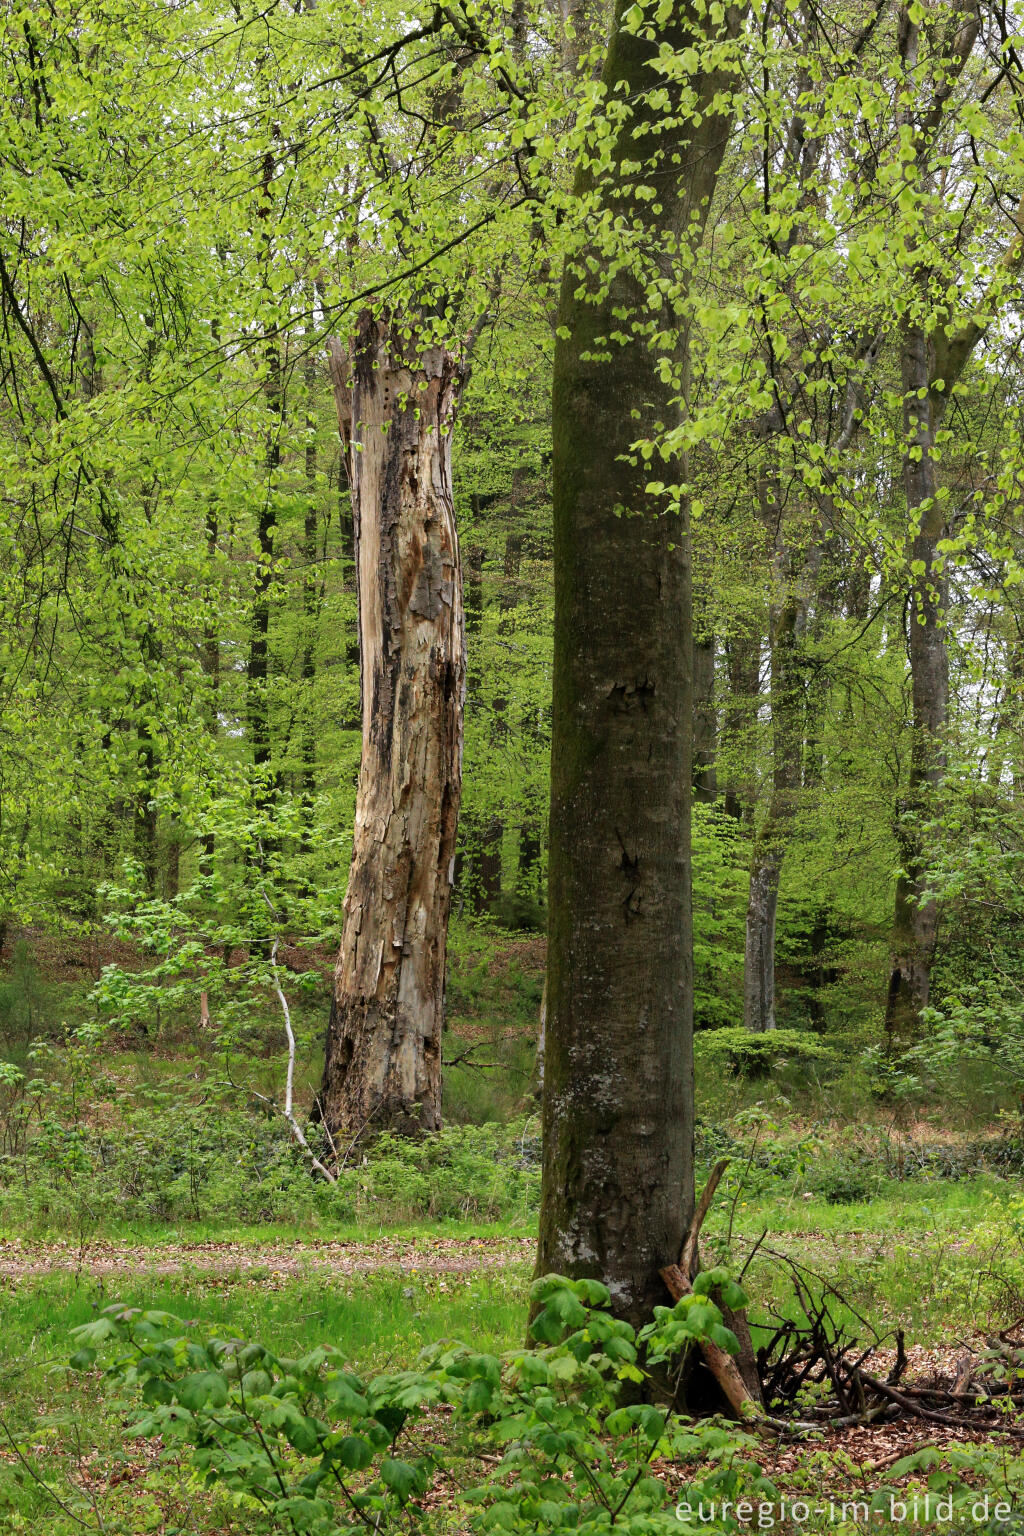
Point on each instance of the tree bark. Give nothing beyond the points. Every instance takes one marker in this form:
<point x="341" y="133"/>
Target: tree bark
<point x="617" y="1179"/>
<point x="743" y="655"/>
<point x="211" y="669"/>
<point x="383" y="1061"/>
<point x="773" y="835"/>
<point x="312" y="593"/>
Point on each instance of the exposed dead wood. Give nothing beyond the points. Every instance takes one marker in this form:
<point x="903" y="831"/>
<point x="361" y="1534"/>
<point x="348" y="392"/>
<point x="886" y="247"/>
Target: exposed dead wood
<point x="396" y="410"/>
<point x="740" y="1387"/>
<point x="810" y="1373"/>
<point x="688" y="1257"/>
<point x="722" y="1366"/>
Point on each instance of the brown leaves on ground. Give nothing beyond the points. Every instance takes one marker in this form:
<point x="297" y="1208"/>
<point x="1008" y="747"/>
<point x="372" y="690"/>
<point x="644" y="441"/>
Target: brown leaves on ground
<point x="305" y="1258"/>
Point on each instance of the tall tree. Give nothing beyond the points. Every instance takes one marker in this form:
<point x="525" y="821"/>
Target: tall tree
<point x="936" y="344"/>
<point x="617" y="1185"/>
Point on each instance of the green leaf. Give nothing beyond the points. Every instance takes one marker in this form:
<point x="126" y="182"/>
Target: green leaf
<point x="353" y="1452"/>
<point x="403" y="1480"/>
<point x="203" y="1388"/>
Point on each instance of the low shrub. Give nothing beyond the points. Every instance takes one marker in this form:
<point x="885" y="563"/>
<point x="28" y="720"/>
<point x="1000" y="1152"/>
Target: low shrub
<point x="753" y="1053"/>
<point x="541" y="1438"/>
<point x="177" y="1153"/>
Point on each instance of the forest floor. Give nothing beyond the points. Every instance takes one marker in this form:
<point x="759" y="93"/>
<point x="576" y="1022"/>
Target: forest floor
<point x="818" y="1181"/>
<point x="945" y="1262"/>
<point x="248" y="1262"/>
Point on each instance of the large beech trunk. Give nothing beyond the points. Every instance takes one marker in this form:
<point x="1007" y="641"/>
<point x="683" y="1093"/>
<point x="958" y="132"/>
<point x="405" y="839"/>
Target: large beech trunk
<point x="383" y="1063"/>
<point x="617" y="1183"/>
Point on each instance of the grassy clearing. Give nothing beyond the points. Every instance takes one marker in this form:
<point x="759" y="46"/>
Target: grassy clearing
<point x="939" y="1260"/>
<point x="71" y="1434"/>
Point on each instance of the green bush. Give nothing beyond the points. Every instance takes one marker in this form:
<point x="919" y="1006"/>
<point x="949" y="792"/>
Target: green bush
<point x="751" y="1053"/>
<point x="545" y="1438"/>
<point x="80" y="1152"/>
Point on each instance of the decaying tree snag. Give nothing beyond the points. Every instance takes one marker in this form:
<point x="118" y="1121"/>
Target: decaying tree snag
<point x="395" y="413"/>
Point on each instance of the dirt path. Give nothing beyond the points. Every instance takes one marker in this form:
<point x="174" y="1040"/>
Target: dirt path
<point x="437" y="1256"/>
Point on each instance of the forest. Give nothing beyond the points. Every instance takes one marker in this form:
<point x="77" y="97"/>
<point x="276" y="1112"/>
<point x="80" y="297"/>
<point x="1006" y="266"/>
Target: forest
<point x="511" y="766"/>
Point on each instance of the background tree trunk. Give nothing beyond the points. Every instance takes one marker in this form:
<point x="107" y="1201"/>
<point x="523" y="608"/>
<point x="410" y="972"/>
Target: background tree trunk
<point x="773" y="835"/>
<point x="916" y="920"/>
<point x="705" y="720"/>
<point x="739" y="717"/>
<point x="383" y="1061"/>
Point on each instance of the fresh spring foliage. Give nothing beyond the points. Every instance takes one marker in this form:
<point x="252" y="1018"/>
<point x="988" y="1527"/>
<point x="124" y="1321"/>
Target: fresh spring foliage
<point x="310" y="1445"/>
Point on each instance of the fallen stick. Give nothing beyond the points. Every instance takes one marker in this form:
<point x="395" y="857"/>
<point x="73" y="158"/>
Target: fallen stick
<point x="678" y="1279"/>
<point x="951" y="1421"/>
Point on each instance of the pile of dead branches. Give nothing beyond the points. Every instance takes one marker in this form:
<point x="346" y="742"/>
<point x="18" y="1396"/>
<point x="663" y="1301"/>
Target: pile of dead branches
<point x="810" y="1372"/>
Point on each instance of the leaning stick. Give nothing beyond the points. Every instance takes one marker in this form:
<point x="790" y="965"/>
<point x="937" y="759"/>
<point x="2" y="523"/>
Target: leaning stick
<point x="679" y="1280"/>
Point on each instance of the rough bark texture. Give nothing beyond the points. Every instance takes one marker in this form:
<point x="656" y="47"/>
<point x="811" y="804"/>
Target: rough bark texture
<point x="383" y="1064"/>
<point x="617" y="1182"/>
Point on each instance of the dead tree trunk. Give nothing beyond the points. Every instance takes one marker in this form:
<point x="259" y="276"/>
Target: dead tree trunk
<point x="383" y="1061"/>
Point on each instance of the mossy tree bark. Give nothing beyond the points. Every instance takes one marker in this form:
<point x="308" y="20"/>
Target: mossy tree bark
<point x="383" y="1061"/>
<point x="617" y="1183"/>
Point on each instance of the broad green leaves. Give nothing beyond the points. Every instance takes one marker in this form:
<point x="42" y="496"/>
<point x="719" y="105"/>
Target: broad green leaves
<point x="307" y="1445"/>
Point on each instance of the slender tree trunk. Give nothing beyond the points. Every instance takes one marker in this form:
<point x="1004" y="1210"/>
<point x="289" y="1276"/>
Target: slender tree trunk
<point x="705" y="720"/>
<point x="383" y="1061"/>
<point x="773" y="835"/>
<point x="528" y="859"/>
<point x="311" y="595"/>
<point x="258" y="668"/>
<point x="617" y="1182"/>
<point x="488" y="884"/>
<point x="146" y="790"/>
<point x="743" y="655"/>
<point x="211" y="668"/>
<point x="467" y="859"/>
<point x="933" y="359"/>
<point x="916" y="920"/>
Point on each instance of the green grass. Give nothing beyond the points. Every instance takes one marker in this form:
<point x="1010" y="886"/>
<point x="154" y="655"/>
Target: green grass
<point x="939" y="1260"/>
<point x="61" y="1420"/>
<point x="380" y="1319"/>
<point x="911" y="1205"/>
